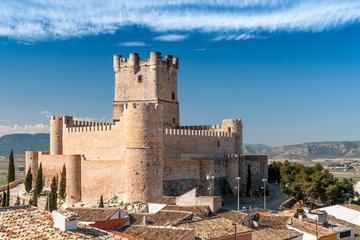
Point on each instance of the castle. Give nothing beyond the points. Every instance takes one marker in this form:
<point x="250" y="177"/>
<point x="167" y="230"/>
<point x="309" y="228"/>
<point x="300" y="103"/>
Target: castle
<point x="145" y="152"/>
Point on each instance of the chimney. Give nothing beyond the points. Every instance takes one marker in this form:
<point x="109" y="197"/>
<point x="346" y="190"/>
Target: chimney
<point x="65" y="221"/>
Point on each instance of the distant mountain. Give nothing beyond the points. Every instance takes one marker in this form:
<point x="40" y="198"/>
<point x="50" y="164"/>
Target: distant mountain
<point x="306" y="151"/>
<point x="309" y="151"/>
<point x="24" y="142"/>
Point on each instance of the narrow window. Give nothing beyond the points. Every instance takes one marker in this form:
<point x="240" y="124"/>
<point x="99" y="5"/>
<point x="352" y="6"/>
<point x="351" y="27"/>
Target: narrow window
<point x="229" y="129"/>
<point x="173" y="96"/>
<point x="218" y="143"/>
<point x="173" y="120"/>
<point x="140" y="78"/>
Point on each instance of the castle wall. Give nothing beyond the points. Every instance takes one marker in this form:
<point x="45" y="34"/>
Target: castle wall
<point x="52" y="166"/>
<point x="188" y="144"/>
<point x="102" y="142"/>
<point x="105" y="178"/>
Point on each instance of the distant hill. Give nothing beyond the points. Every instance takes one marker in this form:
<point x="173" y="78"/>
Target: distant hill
<point x="306" y="151"/>
<point x="24" y="142"/>
<point x="309" y="151"/>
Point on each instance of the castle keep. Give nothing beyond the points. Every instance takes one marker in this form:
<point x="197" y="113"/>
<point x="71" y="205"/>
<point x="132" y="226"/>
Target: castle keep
<point x="145" y="152"/>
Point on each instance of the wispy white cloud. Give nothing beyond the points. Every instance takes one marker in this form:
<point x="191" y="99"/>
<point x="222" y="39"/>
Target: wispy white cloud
<point x="236" y="37"/>
<point x="35" y="20"/>
<point x="47" y="114"/>
<point x="132" y="44"/>
<point x="36" y="128"/>
<point x="171" y="37"/>
<point x="200" y="49"/>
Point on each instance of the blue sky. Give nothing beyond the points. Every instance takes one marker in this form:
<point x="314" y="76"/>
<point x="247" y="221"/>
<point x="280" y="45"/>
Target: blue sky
<point x="289" y="70"/>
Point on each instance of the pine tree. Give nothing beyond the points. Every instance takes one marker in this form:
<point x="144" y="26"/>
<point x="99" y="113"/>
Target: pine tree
<point x="248" y="183"/>
<point x="34" y="200"/>
<point x="11" y="169"/>
<point x="53" y="195"/>
<point x="62" y="189"/>
<point x="101" y="204"/>
<point x="3" y="203"/>
<point x="28" y="181"/>
<point x="1" y="200"/>
<point x="39" y="184"/>
<point x="7" y="196"/>
<point x="17" y="203"/>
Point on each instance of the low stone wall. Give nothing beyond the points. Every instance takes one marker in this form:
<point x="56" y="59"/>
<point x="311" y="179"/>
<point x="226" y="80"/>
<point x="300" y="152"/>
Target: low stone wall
<point x="12" y="184"/>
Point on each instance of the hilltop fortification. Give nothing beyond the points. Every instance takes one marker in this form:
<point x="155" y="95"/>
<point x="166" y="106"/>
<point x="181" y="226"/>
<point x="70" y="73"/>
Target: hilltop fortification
<point x="145" y="152"/>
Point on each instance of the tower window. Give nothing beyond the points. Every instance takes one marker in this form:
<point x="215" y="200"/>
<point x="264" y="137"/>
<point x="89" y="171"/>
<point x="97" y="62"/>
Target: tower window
<point x="173" y="120"/>
<point x="229" y="129"/>
<point x="218" y="143"/>
<point x="173" y="96"/>
<point x="140" y="78"/>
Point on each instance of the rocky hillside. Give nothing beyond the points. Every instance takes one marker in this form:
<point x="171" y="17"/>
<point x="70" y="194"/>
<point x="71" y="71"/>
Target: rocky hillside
<point x="24" y="142"/>
<point x="308" y="151"/>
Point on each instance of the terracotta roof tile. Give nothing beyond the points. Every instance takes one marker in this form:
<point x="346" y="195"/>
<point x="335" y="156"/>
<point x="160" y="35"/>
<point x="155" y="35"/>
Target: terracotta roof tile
<point x="27" y="222"/>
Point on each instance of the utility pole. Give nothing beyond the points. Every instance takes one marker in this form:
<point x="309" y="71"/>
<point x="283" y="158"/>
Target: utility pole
<point x="209" y="177"/>
<point x="264" y="180"/>
<point x="234" y="224"/>
<point x="238" y="192"/>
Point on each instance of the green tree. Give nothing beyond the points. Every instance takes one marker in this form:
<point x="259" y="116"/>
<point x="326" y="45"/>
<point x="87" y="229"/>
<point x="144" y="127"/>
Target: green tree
<point x="7" y="204"/>
<point x="62" y="189"/>
<point x="274" y="172"/>
<point x="312" y="185"/>
<point x="11" y="169"/>
<point x="101" y="203"/>
<point x="3" y="202"/>
<point x="53" y="195"/>
<point x="34" y="200"/>
<point x="39" y="183"/>
<point x="17" y="203"/>
<point x="248" y="182"/>
<point x="28" y="180"/>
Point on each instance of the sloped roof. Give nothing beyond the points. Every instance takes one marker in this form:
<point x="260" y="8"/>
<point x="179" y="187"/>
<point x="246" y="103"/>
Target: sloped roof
<point x="214" y="228"/>
<point x="273" y="221"/>
<point x="198" y="211"/>
<point x="94" y="214"/>
<point x="157" y="232"/>
<point x="161" y="218"/>
<point x="27" y="222"/>
<point x="275" y="234"/>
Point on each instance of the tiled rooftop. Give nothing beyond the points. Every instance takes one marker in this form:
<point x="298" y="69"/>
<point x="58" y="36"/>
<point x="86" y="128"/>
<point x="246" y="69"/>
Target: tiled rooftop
<point x="311" y="228"/>
<point x="27" y="222"/>
<point x="275" y="234"/>
<point x="273" y="221"/>
<point x="234" y="216"/>
<point x="198" y="211"/>
<point x="161" y="218"/>
<point x="169" y="200"/>
<point x="216" y="227"/>
<point x="157" y="232"/>
<point x="93" y="214"/>
<point x="332" y="219"/>
<point x="352" y="206"/>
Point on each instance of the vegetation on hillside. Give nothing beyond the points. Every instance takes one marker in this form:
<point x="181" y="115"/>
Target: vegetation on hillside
<point x="311" y="185"/>
<point x="11" y="168"/>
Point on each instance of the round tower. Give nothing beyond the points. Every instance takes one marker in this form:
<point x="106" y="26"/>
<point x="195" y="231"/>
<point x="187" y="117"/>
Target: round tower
<point x="73" y="179"/>
<point x="32" y="159"/>
<point x="56" y="132"/>
<point x="234" y="126"/>
<point x="144" y="151"/>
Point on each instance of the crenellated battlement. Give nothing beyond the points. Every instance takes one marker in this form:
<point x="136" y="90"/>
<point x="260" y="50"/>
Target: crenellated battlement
<point x="135" y="61"/>
<point x="91" y="128"/>
<point x="192" y="132"/>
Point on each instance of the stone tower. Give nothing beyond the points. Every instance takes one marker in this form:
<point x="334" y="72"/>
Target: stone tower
<point x="144" y="151"/>
<point x="147" y="81"/>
